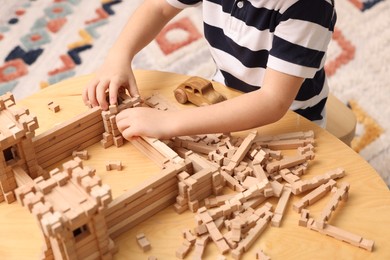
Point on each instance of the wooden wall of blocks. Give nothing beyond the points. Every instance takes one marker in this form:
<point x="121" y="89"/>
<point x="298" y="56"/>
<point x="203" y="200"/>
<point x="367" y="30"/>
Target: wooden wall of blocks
<point x="111" y="135"/>
<point x="147" y="199"/>
<point x="17" y="129"/>
<point x="61" y="141"/>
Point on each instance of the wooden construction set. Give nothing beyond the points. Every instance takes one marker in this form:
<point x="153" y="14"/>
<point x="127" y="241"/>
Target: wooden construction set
<point x="226" y="181"/>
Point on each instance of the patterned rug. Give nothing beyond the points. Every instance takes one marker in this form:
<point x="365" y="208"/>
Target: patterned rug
<point x="45" y="41"/>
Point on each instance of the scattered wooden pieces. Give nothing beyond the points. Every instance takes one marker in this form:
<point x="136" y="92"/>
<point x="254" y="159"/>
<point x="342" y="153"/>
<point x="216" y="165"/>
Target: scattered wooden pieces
<point x="342" y="235"/>
<point x="314" y="195"/>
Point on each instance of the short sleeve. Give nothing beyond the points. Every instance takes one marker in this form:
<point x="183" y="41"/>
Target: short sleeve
<point x="181" y="4"/>
<point x="301" y="38"/>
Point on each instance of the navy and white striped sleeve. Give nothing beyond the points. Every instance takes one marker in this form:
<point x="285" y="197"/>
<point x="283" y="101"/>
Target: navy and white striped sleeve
<point x="301" y="38"/>
<point x="181" y="4"/>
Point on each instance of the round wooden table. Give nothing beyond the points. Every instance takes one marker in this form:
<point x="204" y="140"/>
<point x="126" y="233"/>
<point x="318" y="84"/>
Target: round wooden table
<point x="367" y="212"/>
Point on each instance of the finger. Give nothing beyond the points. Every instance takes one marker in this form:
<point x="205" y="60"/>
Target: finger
<point x="92" y="91"/>
<point x="133" y="88"/>
<point x="122" y="120"/>
<point x="101" y="94"/>
<point x="128" y="133"/>
<point x="86" y="96"/>
<point x="113" y="90"/>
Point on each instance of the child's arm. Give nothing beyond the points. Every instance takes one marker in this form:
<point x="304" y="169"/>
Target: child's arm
<point x="254" y="109"/>
<point x="116" y="72"/>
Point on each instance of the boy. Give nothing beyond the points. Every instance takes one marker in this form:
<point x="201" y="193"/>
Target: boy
<point x="274" y="50"/>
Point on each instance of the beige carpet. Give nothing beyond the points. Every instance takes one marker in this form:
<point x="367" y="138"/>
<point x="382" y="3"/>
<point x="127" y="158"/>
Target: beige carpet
<point x="45" y="41"/>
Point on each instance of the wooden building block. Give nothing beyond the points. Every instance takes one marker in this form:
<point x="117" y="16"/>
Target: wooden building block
<point x="164" y="149"/>
<point x="113" y="109"/>
<point x="222" y="246"/>
<point x="302" y="186"/>
<point x="149" y="151"/>
<point x="258" y="155"/>
<point x="81" y="154"/>
<point x="249" y="181"/>
<point x="339" y="194"/>
<point x="241" y="151"/>
<point x="216" y="201"/>
<point x="53" y="106"/>
<point x="260" y="255"/>
<point x="231" y="182"/>
<point x="314" y="195"/>
<point x="143" y="242"/>
<point x="187" y="234"/>
<point x="253" y="234"/>
<point x="288" y="176"/>
<point x="284" y="144"/>
<point x="21" y="176"/>
<point x="259" y="172"/>
<point x="198" y="147"/>
<point x="200" y="246"/>
<point x="343" y="235"/>
<point x="200" y="229"/>
<point x="114" y="165"/>
<point x="274" y="154"/>
<point x="281" y="206"/>
<point x="183" y="250"/>
<point x="304" y="218"/>
<point x="367" y="244"/>
<point x="236" y="227"/>
<point x="286" y="162"/>
<point x="118" y="141"/>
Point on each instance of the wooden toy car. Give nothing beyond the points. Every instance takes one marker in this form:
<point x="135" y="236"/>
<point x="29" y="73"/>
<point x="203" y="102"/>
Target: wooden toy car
<point x="198" y="91"/>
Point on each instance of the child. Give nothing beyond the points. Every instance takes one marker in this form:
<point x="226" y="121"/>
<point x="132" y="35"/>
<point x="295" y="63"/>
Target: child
<point x="274" y="50"/>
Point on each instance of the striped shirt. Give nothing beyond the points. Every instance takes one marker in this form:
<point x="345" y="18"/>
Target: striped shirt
<point x="291" y="36"/>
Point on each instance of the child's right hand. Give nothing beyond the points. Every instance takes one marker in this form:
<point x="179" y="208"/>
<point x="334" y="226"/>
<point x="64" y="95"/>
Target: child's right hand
<point x="113" y="76"/>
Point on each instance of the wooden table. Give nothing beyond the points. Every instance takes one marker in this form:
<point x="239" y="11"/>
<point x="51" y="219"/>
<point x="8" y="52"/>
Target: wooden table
<point x="367" y="212"/>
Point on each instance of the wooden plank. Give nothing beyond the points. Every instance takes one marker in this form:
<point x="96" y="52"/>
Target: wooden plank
<point x="73" y="140"/>
<point x="57" y="137"/>
<point x="281" y="206"/>
<point x="54" y="160"/>
<point x="142" y="215"/>
<point x="127" y="208"/>
<point x="241" y="152"/>
<point x="149" y="151"/>
<point x="21" y="176"/>
<point x="140" y="190"/>
<point x="60" y="129"/>
<point x="163" y="149"/>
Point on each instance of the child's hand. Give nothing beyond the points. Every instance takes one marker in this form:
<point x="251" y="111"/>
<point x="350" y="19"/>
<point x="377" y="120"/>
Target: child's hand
<point x="114" y="77"/>
<point x="144" y="121"/>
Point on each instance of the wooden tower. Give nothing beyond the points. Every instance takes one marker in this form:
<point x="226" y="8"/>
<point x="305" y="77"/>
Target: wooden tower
<point x="69" y="207"/>
<point x="17" y="128"/>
